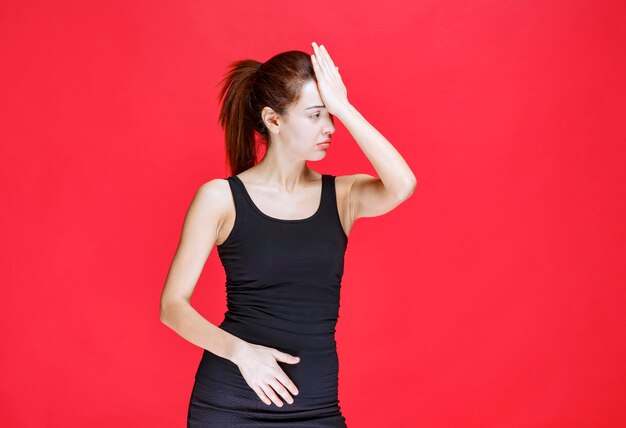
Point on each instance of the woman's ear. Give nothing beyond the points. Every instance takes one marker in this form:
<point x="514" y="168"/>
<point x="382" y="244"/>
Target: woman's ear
<point x="271" y="119"/>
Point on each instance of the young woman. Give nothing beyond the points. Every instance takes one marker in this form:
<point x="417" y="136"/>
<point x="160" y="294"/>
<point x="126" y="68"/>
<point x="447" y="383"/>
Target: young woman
<point x="281" y="231"/>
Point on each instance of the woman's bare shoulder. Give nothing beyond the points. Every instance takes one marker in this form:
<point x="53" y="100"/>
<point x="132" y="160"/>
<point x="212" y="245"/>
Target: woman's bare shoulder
<point x="215" y="191"/>
<point x="215" y="196"/>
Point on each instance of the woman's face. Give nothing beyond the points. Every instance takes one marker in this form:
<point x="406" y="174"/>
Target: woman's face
<point x="307" y="124"/>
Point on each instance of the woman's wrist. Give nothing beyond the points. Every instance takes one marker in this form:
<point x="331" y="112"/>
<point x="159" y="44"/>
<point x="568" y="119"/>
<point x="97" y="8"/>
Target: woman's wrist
<point x="239" y="347"/>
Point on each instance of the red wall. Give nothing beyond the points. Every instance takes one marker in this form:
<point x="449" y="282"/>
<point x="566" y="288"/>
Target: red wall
<point x="494" y="297"/>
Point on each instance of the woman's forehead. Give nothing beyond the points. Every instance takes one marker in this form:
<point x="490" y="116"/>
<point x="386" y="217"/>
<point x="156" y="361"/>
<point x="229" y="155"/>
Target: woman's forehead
<point x="310" y="96"/>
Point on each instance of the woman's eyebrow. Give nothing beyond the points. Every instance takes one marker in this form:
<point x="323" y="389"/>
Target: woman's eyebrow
<point x="315" y="107"/>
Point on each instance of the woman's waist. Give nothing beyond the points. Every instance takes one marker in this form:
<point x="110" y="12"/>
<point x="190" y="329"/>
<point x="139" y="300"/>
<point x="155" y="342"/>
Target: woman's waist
<point x="315" y="376"/>
<point x="286" y="337"/>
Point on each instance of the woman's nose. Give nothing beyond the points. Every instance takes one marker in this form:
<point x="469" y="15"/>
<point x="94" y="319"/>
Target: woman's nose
<point x="330" y="127"/>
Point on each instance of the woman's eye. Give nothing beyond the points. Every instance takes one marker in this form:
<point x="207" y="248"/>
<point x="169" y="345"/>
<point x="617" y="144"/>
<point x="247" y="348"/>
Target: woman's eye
<point x="316" y="115"/>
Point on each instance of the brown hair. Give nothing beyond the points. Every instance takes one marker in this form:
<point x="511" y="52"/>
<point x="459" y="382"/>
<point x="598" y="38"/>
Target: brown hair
<point x="246" y="88"/>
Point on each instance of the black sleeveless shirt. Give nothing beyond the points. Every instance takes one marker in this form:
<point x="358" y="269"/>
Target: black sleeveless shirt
<point x="283" y="280"/>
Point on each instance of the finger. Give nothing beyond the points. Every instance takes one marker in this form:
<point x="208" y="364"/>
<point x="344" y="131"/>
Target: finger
<point x="285" y="357"/>
<point x="316" y="64"/>
<point x="319" y="56"/>
<point x="281" y="390"/>
<point x="271" y="394"/>
<point x="315" y="50"/>
<point x="325" y="69"/>
<point x="338" y="75"/>
<point x="328" y="63"/>
<point x="327" y="55"/>
<point x="322" y="57"/>
<point x="262" y="395"/>
<point x="319" y="72"/>
<point x="334" y="69"/>
<point x="284" y="379"/>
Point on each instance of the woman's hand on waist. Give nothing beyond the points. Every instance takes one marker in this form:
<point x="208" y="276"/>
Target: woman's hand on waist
<point x="258" y="365"/>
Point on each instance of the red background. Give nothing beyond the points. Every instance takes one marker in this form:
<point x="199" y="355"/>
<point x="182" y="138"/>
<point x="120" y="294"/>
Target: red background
<point x="493" y="297"/>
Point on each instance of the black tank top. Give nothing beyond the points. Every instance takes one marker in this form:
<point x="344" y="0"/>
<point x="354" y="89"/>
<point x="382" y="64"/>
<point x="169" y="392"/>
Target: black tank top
<point x="283" y="280"/>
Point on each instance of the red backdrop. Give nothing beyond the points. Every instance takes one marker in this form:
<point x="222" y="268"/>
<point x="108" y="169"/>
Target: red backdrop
<point x="493" y="297"/>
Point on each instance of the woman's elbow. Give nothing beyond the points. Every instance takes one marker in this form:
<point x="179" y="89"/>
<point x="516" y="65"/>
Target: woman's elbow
<point x="166" y="308"/>
<point x="163" y="312"/>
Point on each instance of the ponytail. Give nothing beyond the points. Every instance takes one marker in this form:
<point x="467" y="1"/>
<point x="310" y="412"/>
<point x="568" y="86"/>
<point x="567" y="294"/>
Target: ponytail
<point x="236" y="116"/>
<point x="247" y="87"/>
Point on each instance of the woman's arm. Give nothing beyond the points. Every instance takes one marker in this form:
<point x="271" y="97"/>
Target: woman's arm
<point x="368" y="196"/>
<point x="198" y="237"/>
<point x="258" y="364"/>
<point x="371" y="196"/>
<point x="181" y="317"/>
